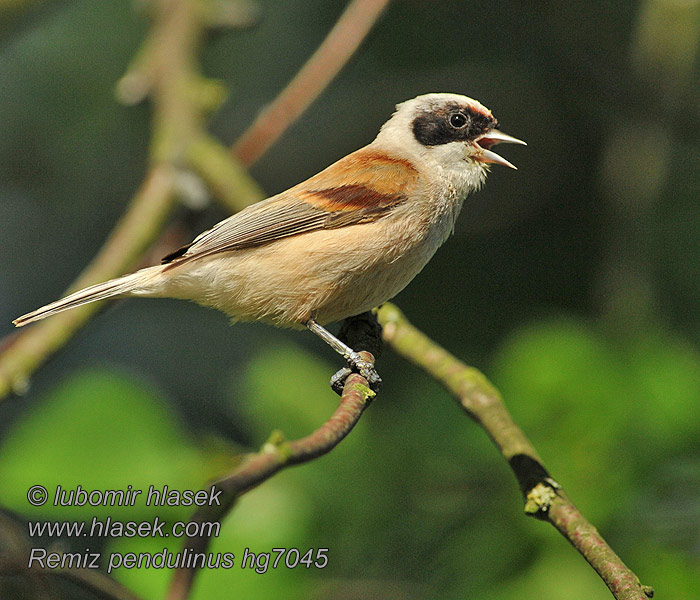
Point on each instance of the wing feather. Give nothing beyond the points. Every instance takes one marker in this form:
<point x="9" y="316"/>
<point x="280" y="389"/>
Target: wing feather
<point x="360" y="188"/>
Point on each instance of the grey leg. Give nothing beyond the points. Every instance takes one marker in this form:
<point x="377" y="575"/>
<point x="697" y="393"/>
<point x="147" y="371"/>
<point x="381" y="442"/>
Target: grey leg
<point x="355" y="361"/>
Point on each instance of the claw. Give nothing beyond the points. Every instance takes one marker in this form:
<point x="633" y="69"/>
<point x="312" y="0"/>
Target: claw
<point x="356" y="364"/>
<point x="367" y="370"/>
<point x="364" y="365"/>
<point x="338" y="380"/>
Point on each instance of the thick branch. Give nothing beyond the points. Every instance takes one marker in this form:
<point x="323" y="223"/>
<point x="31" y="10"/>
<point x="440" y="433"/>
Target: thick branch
<point x="543" y="496"/>
<point x="276" y="455"/>
<point x="335" y="51"/>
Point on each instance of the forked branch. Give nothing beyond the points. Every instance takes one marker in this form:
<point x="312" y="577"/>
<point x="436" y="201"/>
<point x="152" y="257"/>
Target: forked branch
<point x="275" y="455"/>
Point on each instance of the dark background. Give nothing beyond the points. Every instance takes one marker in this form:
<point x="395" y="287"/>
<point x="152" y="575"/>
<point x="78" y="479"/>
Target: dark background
<point x="573" y="283"/>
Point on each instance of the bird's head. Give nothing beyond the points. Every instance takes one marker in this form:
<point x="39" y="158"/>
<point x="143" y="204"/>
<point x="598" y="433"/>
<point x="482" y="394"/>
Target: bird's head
<point x="447" y="131"/>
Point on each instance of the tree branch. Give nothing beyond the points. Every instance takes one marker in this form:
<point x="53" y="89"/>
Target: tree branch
<point x="24" y="351"/>
<point x="15" y="558"/>
<point x="544" y="497"/>
<point x="275" y="455"/>
<point x="164" y="68"/>
<point x="230" y="183"/>
<point x="103" y="586"/>
<point x="333" y="53"/>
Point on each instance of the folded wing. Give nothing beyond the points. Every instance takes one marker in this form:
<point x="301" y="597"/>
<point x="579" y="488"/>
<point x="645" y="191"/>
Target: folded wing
<point x="360" y="188"/>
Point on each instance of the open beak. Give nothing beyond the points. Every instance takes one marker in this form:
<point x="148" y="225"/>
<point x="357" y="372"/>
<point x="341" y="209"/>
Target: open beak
<point x="492" y="138"/>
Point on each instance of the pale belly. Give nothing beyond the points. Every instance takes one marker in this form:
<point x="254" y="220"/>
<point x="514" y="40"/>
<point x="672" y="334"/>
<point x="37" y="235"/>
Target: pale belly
<point x="325" y="275"/>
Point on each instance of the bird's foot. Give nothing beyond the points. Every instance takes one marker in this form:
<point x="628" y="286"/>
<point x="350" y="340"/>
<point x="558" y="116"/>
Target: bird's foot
<point x="357" y="363"/>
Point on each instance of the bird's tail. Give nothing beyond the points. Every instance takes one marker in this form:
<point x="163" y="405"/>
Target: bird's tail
<point x="141" y="282"/>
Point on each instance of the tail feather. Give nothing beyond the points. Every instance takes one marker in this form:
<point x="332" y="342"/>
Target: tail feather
<point x="132" y="283"/>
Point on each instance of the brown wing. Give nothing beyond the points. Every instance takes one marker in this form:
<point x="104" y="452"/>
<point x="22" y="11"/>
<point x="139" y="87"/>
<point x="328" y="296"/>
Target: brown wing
<point x="360" y="188"/>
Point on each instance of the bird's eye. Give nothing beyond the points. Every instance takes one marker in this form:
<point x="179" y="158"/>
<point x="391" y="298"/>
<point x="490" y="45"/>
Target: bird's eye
<point x="458" y="120"/>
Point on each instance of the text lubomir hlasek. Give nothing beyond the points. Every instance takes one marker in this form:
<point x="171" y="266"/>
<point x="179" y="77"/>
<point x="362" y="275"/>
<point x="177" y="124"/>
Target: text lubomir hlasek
<point x="163" y="496"/>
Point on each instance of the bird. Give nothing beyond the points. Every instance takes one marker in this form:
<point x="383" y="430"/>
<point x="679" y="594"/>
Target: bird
<point x="341" y="242"/>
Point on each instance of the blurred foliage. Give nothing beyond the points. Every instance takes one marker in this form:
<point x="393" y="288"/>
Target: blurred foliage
<point x="574" y="283"/>
<point x="72" y="445"/>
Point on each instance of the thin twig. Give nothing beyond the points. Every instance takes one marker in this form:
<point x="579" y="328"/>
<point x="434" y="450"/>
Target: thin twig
<point x="544" y="497"/>
<point x="333" y="53"/>
<point x="275" y="455"/>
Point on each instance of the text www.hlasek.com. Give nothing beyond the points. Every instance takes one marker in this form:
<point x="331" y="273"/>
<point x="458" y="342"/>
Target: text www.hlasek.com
<point x="128" y="529"/>
<point x="157" y="527"/>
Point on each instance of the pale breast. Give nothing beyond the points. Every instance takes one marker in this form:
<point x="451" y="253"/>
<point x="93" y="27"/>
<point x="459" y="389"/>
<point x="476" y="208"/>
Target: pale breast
<point x="327" y="275"/>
